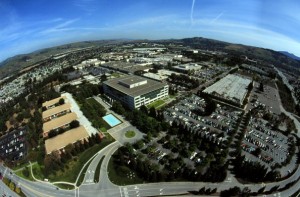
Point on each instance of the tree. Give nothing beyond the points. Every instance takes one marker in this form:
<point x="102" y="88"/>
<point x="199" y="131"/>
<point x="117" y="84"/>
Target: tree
<point x="74" y="124"/>
<point x="25" y="172"/>
<point x="261" y="87"/>
<point x="118" y="108"/>
<point x="12" y="186"/>
<point x="250" y="86"/>
<point x="152" y="112"/>
<point x="20" y="117"/>
<point x="144" y="109"/>
<point x="61" y="101"/>
<point x="103" y="77"/>
<point x="52" y="133"/>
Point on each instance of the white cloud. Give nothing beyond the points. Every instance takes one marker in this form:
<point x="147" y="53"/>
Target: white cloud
<point x="60" y="27"/>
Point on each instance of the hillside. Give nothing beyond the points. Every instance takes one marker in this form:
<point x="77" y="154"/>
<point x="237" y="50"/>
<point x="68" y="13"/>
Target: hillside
<point x="267" y="55"/>
<point x="291" y="55"/>
<point x="14" y="64"/>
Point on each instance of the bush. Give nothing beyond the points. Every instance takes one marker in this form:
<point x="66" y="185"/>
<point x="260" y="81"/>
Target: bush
<point x="25" y="172"/>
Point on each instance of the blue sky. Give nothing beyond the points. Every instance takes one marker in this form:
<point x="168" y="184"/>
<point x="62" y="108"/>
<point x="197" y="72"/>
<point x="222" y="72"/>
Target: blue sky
<point x="28" y="25"/>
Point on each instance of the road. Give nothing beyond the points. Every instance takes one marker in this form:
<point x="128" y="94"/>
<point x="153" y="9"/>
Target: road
<point x="5" y="191"/>
<point x="106" y="188"/>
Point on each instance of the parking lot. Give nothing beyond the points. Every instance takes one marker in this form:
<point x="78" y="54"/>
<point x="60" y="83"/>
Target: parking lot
<point x="215" y="126"/>
<point x="269" y="98"/>
<point x="209" y="73"/>
<point x="272" y="145"/>
<point x="13" y="145"/>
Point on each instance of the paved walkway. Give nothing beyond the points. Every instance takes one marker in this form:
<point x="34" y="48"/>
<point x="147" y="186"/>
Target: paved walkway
<point x="118" y="132"/>
<point x="81" y="118"/>
<point x="30" y="164"/>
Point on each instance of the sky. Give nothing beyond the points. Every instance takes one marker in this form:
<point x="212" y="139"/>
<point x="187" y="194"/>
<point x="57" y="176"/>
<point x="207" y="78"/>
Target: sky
<point x="29" y="25"/>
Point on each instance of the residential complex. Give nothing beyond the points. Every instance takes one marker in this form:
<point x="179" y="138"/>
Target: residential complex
<point x="134" y="91"/>
<point x="62" y="140"/>
<point x="57" y="118"/>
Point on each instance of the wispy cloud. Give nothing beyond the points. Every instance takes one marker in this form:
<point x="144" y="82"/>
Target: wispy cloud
<point x="217" y="17"/>
<point x="89" y="6"/>
<point x="60" y="27"/>
<point x="192" y="12"/>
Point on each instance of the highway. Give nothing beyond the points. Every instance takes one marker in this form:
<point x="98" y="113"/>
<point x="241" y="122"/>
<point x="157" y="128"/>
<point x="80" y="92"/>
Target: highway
<point x="106" y="188"/>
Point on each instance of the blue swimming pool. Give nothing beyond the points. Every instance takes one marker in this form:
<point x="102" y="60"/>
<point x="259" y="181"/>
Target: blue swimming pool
<point x="111" y="120"/>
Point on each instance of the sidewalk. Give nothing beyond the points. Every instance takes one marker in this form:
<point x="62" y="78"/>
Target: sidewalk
<point x="81" y="118"/>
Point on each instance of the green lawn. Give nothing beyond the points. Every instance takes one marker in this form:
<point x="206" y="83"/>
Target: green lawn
<point x="173" y="96"/>
<point x="94" y="111"/>
<point x="118" y="177"/>
<point x="116" y="75"/>
<point x="73" y="167"/>
<point x="20" y="174"/>
<point x="156" y="104"/>
<point x="64" y="186"/>
<point x="36" y="170"/>
<point x="97" y="172"/>
<point x="130" y="134"/>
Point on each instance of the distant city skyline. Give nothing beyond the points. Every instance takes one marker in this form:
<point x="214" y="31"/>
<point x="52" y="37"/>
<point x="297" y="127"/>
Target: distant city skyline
<point x="27" y="26"/>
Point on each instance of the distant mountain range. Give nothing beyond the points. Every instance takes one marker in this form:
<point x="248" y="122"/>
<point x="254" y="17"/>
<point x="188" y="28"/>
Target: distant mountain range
<point x="14" y="64"/>
<point x="291" y="55"/>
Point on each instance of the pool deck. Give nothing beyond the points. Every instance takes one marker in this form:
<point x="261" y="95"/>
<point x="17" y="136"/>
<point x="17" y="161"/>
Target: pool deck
<point x="118" y="132"/>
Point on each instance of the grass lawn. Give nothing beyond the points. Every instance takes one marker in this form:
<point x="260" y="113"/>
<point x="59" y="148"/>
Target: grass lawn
<point x="173" y="96"/>
<point x="103" y="129"/>
<point x="155" y="104"/>
<point x="117" y="75"/>
<point x="97" y="172"/>
<point x="64" y="186"/>
<point x="20" y="166"/>
<point x="73" y="167"/>
<point x="20" y="174"/>
<point x="118" y="177"/>
<point x="130" y="134"/>
<point x="36" y="170"/>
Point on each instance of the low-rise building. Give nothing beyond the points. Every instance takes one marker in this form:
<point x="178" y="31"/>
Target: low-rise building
<point x="135" y="91"/>
<point x="57" y="119"/>
<point x="69" y="137"/>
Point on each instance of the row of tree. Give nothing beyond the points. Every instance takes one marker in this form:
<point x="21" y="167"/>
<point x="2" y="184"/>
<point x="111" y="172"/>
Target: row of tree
<point x="56" y="161"/>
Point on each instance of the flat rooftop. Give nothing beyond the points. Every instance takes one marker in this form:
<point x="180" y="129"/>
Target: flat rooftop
<point x="231" y="87"/>
<point x="56" y="110"/>
<point x="132" y="80"/>
<point x="58" y="122"/>
<point x="60" y="141"/>
<point x="151" y="85"/>
<point x="53" y="101"/>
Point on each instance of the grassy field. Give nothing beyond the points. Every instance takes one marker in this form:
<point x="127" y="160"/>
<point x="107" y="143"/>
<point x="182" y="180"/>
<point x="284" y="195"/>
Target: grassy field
<point x="73" y="167"/>
<point x="20" y="174"/>
<point x="64" y="186"/>
<point x="122" y="175"/>
<point x="36" y="170"/>
<point x="94" y="111"/>
<point x="116" y="75"/>
<point x="97" y="172"/>
<point x="130" y="134"/>
<point x="156" y="104"/>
